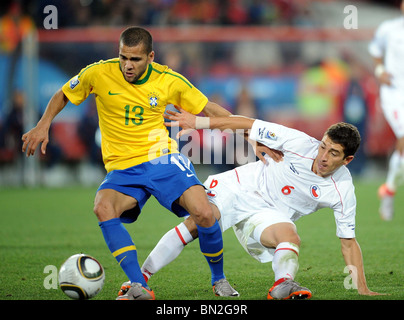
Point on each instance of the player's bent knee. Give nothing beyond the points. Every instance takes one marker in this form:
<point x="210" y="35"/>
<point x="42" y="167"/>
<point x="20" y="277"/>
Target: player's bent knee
<point x="277" y="233"/>
<point x="200" y="210"/>
<point x="290" y="236"/>
<point x="103" y="211"/>
<point x="203" y="217"/>
<point x="295" y="239"/>
<point x="288" y="233"/>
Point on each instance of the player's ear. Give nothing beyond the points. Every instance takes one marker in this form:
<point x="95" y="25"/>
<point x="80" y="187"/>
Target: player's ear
<point x="348" y="159"/>
<point x="151" y="57"/>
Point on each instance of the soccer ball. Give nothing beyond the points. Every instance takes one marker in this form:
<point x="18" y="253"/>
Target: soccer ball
<point x="81" y="277"/>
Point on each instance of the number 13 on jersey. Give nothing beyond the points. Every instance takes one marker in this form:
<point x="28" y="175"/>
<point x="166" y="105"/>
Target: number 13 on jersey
<point x="135" y="114"/>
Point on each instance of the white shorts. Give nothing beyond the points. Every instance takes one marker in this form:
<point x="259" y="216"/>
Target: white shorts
<point x="392" y="104"/>
<point x="245" y="211"/>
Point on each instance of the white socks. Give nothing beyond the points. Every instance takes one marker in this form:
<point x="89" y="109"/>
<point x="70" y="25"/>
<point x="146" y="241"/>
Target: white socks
<point x="285" y="262"/>
<point x="396" y="170"/>
<point x="167" y="249"/>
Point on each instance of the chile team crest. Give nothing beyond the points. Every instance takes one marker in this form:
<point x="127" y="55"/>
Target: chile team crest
<point x="315" y="191"/>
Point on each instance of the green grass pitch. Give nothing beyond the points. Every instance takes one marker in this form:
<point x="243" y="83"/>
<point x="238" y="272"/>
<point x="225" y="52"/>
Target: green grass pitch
<point x="41" y="227"/>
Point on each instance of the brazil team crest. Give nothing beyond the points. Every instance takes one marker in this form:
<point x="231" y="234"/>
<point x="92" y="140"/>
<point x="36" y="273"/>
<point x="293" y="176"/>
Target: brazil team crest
<point x="153" y="99"/>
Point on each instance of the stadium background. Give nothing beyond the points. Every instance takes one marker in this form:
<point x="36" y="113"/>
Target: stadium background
<point x="291" y="62"/>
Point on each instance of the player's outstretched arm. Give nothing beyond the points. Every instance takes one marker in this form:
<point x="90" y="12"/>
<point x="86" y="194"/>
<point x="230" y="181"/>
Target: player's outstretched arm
<point x="40" y="133"/>
<point x="353" y="259"/>
<point x="187" y="121"/>
<point x="212" y="109"/>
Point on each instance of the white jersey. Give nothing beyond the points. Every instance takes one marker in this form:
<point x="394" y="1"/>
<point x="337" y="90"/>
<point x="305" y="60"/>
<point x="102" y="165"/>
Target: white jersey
<point x="291" y="184"/>
<point x="257" y="195"/>
<point x="388" y="43"/>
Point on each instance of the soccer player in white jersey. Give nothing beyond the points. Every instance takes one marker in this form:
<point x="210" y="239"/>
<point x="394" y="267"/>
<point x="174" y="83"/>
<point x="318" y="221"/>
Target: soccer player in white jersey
<point x="387" y="50"/>
<point x="261" y="200"/>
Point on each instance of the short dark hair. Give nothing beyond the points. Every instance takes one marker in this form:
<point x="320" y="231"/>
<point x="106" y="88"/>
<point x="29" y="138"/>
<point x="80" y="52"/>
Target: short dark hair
<point x="134" y="36"/>
<point x="346" y="135"/>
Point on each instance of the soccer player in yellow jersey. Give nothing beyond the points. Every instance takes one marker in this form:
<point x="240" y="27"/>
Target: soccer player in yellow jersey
<point x="131" y="94"/>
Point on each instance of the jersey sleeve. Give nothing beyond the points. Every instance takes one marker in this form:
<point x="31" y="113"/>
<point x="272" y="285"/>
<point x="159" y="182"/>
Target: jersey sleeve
<point x="345" y="211"/>
<point x="276" y="136"/>
<point x="78" y="88"/>
<point x="187" y="96"/>
<point x="377" y="46"/>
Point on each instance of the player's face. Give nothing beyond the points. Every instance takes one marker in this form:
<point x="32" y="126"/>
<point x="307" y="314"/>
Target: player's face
<point x="134" y="61"/>
<point x="330" y="158"/>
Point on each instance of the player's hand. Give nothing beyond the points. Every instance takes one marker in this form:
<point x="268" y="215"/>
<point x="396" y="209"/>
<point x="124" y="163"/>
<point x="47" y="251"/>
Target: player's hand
<point x="182" y="119"/>
<point x="385" y="78"/>
<point x="363" y="290"/>
<point x="33" y="138"/>
<point x="371" y="293"/>
<point x="400" y="145"/>
<point x="276" y="155"/>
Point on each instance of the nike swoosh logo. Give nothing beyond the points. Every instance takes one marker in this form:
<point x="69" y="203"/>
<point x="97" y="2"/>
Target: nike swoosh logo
<point x="190" y="175"/>
<point x="113" y="93"/>
<point x="216" y="261"/>
<point x="122" y="260"/>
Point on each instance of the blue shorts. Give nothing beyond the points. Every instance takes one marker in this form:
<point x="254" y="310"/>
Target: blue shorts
<point x="166" y="178"/>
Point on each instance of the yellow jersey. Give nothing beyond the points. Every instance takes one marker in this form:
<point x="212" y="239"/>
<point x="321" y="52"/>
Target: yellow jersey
<point x="131" y="114"/>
